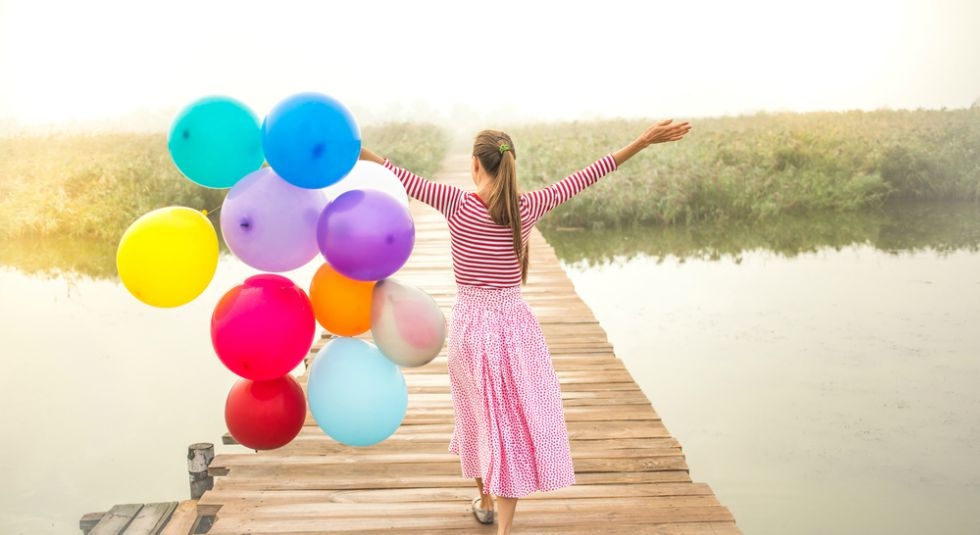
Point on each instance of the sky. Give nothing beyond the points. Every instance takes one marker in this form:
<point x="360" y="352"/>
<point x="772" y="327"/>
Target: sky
<point x="113" y="61"/>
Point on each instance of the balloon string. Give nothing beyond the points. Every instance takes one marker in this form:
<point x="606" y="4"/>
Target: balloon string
<point x="212" y="211"/>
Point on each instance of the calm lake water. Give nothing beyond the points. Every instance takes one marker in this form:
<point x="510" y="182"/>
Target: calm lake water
<point x="822" y="374"/>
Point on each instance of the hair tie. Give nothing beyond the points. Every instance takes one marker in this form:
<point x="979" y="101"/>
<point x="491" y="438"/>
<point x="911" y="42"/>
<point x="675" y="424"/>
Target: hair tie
<point x="504" y="148"/>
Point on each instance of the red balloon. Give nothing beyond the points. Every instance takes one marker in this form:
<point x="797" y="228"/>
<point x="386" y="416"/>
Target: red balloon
<point x="265" y="415"/>
<point x="263" y="328"/>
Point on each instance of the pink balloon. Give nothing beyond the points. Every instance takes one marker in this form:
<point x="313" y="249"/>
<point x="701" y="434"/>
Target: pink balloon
<point x="417" y="334"/>
<point x="406" y="324"/>
<point x="263" y="329"/>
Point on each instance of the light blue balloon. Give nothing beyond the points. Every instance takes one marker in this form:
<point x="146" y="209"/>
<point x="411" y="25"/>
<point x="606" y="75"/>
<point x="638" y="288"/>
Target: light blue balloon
<point x="356" y="395"/>
<point x="311" y="140"/>
<point x="215" y="141"/>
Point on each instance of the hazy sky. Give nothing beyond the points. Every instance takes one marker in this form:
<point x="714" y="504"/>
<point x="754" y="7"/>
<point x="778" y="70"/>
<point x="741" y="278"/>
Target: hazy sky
<point x="99" y="59"/>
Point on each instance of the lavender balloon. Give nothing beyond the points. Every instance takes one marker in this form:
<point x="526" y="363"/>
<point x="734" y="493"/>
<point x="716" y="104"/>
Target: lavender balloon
<point x="269" y="223"/>
<point x="366" y="235"/>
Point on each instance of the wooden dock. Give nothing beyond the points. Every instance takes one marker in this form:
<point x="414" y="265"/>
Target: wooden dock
<point x="632" y="475"/>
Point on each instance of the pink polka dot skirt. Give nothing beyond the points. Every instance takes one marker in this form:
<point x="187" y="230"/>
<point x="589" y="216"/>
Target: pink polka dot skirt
<point x="510" y="426"/>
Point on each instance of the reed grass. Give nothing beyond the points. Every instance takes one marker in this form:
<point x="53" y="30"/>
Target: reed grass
<point x="755" y="168"/>
<point x="93" y="186"/>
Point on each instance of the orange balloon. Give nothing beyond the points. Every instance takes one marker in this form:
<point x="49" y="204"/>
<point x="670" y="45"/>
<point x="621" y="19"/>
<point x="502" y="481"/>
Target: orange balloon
<point x="341" y="305"/>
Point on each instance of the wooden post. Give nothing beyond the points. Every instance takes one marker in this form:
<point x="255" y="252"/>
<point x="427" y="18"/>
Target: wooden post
<point x="199" y="456"/>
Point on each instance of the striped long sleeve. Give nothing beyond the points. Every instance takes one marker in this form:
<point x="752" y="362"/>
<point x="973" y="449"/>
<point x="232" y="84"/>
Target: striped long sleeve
<point x="542" y="201"/>
<point x="442" y="197"/>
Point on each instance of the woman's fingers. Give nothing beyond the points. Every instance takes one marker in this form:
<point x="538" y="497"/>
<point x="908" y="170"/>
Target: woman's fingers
<point x="666" y="130"/>
<point x="673" y="132"/>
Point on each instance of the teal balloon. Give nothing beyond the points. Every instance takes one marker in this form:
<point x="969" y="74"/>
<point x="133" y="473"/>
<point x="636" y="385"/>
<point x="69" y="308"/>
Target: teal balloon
<point x="311" y="140"/>
<point x="215" y="141"/>
<point x="356" y="395"/>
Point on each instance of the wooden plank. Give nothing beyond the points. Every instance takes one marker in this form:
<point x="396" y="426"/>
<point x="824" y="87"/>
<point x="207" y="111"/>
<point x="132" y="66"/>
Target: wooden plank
<point x="329" y="447"/>
<point x="445" y="494"/>
<point x="183" y="519"/>
<point x="688" y="528"/>
<point x="151" y="519"/>
<point x="407" y="464"/>
<point x="116" y="519"/>
<point x="579" y="429"/>
<point x="296" y="480"/>
<point x="437" y="452"/>
<point x="89" y="520"/>
<point x="299" y="508"/>
<point x="458" y="516"/>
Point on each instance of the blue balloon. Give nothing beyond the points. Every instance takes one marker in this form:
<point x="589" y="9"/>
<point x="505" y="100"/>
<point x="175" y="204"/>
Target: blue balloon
<point x="357" y="396"/>
<point x="215" y="141"/>
<point x="311" y="140"/>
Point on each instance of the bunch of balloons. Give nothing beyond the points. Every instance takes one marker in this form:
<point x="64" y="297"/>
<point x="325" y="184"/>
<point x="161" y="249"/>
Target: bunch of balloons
<point x="315" y="197"/>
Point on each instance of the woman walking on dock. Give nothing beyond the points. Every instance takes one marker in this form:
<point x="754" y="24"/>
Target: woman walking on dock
<point x="510" y="431"/>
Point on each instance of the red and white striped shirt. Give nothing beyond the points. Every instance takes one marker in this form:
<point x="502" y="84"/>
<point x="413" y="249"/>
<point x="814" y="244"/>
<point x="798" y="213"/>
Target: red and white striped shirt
<point x="483" y="251"/>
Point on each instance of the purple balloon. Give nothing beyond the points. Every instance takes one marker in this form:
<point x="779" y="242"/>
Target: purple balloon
<point x="269" y="223"/>
<point x="366" y="235"/>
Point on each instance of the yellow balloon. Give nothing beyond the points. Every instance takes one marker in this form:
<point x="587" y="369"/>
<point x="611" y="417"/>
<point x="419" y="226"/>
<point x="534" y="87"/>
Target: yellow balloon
<point x="168" y="256"/>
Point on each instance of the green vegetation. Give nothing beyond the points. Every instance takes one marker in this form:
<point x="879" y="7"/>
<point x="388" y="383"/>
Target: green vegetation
<point x="754" y="168"/>
<point x="90" y="186"/>
<point x="420" y="147"/>
<point x="94" y="186"/>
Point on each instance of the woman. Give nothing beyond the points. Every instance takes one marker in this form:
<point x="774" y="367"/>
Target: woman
<point x="510" y="431"/>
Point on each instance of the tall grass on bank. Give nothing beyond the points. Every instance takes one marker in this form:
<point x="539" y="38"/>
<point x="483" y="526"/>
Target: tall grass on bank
<point x="94" y="186"/>
<point x="89" y="186"/>
<point x="420" y="147"/>
<point x="754" y="168"/>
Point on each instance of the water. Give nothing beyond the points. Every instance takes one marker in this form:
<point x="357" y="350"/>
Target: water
<point x="821" y="373"/>
<point x="103" y="393"/>
<point x="830" y="386"/>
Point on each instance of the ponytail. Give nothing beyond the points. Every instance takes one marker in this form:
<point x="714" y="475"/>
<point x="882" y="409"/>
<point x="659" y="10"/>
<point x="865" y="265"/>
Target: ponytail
<point x="496" y="153"/>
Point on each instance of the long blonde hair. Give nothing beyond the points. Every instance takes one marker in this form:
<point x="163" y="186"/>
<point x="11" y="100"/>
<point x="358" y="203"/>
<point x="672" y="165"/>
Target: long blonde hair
<point x="499" y="158"/>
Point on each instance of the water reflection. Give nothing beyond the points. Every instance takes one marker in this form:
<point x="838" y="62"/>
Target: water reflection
<point x="60" y="256"/>
<point x="65" y="257"/>
<point x="939" y="227"/>
<point x="942" y="228"/>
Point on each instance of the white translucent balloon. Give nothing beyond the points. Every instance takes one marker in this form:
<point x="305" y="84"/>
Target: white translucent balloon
<point x="369" y="175"/>
<point x="406" y="324"/>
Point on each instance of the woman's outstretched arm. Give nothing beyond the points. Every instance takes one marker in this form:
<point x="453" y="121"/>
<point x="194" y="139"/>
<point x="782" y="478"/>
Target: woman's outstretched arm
<point x="442" y="197"/>
<point x="660" y="132"/>
<point x="544" y="200"/>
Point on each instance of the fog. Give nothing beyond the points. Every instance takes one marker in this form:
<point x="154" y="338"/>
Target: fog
<point x="113" y="64"/>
